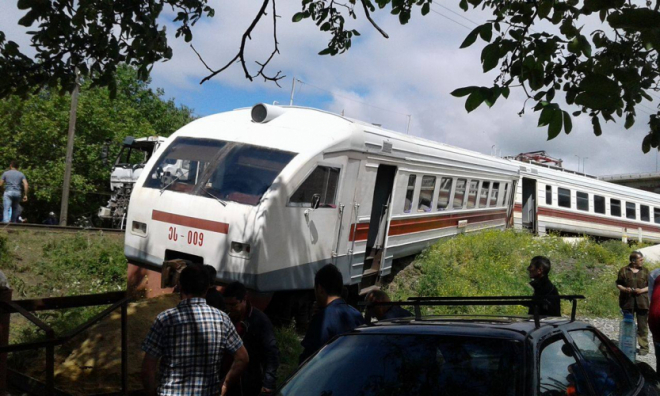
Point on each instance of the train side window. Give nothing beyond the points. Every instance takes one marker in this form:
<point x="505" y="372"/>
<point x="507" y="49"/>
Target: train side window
<point x="599" y="204"/>
<point x="323" y="181"/>
<point x="615" y="207"/>
<point x="656" y="215"/>
<point x="472" y="194"/>
<point x="445" y="193"/>
<point x="426" y="194"/>
<point x="644" y="213"/>
<point x="548" y="194"/>
<point x="410" y="191"/>
<point x="494" y="195"/>
<point x="631" y="211"/>
<point x="459" y="194"/>
<point x="582" y="200"/>
<point x="483" y="196"/>
<point x="564" y="197"/>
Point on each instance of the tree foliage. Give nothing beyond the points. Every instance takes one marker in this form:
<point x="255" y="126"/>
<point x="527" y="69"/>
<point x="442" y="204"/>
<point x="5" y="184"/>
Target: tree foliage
<point x="33" y="130"/>
<point x="604" y="74"/>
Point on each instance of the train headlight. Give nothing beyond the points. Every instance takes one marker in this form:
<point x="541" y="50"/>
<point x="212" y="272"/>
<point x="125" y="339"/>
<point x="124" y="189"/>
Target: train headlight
<point x="139" y="228"/>
<point x="240" y="249"/>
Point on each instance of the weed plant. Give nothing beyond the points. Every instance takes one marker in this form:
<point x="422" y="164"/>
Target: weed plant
<point x="493" y="263"/>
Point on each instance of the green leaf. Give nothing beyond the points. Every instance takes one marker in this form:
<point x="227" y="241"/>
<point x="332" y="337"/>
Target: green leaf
<point x="630" y="121"/>
<point x="460" y="92"/>
<point x="490" y="56"/>
<point x="555" y="124"/>
<point x="464" y="5"/>
<point x="426" y="8"/>
<point x="646" y="143"/>
<point x="585" y="46"/>
<point x="596" y="124"/>
<point x="634" y="19"/>
<point x="471" y="38"/>
<point x="574" y="46"/>
<point x="298" y="16"/>
<point x="474" y="100"/>
<point x="568" y="124"/>
<point x="550" y="95"/>
<point x="326" y="51"/>
<point x="546" y="116"/>
<point x="486" y="32"/>
<point x="545" y="6"/>
<point x="505" y="92"/>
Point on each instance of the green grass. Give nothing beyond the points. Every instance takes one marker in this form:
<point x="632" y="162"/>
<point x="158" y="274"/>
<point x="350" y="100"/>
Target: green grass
<point x="493" y="263"/>
<point x="288" y="341"/>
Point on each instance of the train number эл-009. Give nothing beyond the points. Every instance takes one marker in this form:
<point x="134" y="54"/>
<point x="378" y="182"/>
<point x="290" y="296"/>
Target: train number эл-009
<point x="194" y="237"/>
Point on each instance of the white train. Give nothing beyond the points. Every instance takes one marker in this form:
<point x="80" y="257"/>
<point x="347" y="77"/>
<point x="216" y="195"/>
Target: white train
<point x="551" y="199"/>
<point x="270" y="194"/>
<point x="273" y="193"/>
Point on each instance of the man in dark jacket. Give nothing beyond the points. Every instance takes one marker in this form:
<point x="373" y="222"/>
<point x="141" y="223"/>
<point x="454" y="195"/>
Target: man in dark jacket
<point x="258" y="336"/>
<point x="385" y="312"/>
<point x="334" y="316"/>
<point x="213" y="297"/>
<point x="538" y="269"/>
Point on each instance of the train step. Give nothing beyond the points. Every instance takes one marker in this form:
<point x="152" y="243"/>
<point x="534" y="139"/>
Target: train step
<point x="369" y="272"/>
<point x="366" y="290"/>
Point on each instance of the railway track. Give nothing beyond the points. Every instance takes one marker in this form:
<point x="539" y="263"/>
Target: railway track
<point x="55" y="228"/>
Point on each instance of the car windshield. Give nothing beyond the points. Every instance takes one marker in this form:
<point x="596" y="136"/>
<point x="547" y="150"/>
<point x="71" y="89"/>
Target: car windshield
<point x="389" y="365"/>
<point x="225" y="171"/>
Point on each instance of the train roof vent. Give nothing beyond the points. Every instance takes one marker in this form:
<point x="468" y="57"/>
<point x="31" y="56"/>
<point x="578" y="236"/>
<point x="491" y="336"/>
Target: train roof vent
<point x="523" y="169"/>
<point x="387" y="147"/>
<point x="262" y="113"/>
<point x="535" y="171"/>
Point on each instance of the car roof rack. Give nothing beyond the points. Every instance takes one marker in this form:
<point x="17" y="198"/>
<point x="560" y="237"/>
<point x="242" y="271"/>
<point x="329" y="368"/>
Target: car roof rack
<point x="525" y="301"/>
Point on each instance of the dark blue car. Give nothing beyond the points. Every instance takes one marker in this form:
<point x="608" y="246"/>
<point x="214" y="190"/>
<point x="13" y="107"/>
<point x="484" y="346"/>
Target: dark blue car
<point x="472" y="356"/>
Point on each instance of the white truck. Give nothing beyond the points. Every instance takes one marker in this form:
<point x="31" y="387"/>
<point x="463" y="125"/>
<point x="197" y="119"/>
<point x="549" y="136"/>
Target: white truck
<point x="128" y="166"/>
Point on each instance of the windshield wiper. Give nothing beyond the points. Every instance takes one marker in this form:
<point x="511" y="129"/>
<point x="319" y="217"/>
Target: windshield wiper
<point x="213" y="196"/>
<point x="169" y="184"/>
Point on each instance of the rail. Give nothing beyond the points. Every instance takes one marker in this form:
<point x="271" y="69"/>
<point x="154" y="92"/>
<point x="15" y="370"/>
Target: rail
<point x="25" y="308"/>
<point x="525" y="301"/>
<point x="56" y="228"/>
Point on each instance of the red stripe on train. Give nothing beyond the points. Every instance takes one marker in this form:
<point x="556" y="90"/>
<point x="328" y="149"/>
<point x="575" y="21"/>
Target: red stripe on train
<point x="193" y="222"/>
<point x="408" y="226"/>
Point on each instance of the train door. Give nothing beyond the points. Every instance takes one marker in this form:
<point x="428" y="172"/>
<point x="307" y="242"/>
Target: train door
<point x="375" y="253"/>
<point x="348" y="205"/>
<point x="529" y="205"/>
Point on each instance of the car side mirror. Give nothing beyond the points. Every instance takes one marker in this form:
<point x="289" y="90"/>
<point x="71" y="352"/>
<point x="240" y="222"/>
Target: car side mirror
<point x="316" y="200"/>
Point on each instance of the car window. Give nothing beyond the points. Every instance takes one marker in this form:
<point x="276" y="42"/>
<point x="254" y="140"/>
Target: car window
<point x="559" y="372"/>
<point x="606" y="372"/>
<point x="412" y="365"/>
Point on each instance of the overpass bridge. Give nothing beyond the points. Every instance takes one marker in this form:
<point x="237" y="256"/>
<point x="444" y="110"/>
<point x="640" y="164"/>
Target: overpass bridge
<point x="643" y="181"/>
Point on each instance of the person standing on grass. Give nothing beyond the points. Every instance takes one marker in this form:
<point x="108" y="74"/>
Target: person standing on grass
<point x="258" y="336"/>
<point x="16" y="190"/>
<point x="190" y="341"/>
<point x="539" y="269"/>
<point x="334" y="316"/>
<point x="632" y="282"/>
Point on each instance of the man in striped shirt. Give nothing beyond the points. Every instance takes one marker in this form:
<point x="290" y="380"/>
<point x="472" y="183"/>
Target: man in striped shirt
<point x="190" y="340"/>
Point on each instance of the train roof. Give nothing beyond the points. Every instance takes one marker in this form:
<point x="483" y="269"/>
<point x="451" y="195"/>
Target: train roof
<point x="312" y="131"/>
<point x="578" y="180"/>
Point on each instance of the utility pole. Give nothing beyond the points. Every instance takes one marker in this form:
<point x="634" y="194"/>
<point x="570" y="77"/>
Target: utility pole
<point x="64" y="209"/>
<point x="408" y="127"/>
<point x="578" y="157"/>
<point x="583" y="161"/>
<point x="293" y="90"/>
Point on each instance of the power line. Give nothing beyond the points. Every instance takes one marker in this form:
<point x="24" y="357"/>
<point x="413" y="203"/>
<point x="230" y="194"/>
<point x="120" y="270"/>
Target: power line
<point x="456" y="13"/>
<point x="456" y="22"/>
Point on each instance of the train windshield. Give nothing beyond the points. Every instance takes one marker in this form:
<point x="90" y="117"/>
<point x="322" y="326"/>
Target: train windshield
<point x="225" y="171"/>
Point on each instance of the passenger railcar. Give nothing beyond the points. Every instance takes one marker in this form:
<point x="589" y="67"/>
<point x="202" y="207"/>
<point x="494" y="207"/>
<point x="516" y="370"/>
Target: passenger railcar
<point x="551" y="199"/>
<point x="270" y="194"/>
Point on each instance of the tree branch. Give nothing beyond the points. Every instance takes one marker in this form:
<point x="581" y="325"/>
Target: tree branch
<point x="240" y="56"/>
<point x="366" y="12"/>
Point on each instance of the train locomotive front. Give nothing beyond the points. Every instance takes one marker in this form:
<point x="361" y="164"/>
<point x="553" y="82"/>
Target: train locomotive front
<point x="218" y="192"/>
